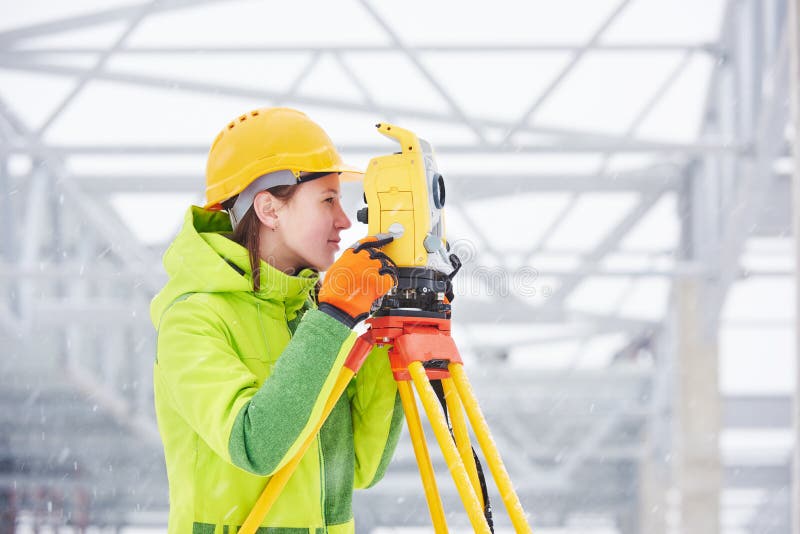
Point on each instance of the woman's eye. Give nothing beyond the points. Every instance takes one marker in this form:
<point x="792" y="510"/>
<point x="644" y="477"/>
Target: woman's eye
<point x="330" y="200"/>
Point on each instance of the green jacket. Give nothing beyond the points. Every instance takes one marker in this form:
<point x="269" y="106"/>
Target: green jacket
<point x="241" y="378"/>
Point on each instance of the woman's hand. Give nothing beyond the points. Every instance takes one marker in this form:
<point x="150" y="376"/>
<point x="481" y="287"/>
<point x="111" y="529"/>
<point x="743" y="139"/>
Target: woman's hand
<point x="357" y="279"/>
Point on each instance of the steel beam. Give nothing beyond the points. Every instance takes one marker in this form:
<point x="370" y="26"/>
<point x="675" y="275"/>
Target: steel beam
<point x="291" y="91"/>
<point x="540" y="99"/>
<point x="573" y="146"/>
<point x="106" y="222"/>
<point x="651" y="103"/>
<point x="609" y="242"/>
<point x="100" y="62"/>
<point x="468" y="49"/>
<point x="10" y="37"/>
<point x="757" y="412"/>
<point x="591" y="142"/>
<point x="793" y="40"/>
<point x="462" y="187"/>
<point x="749" y="196"/>
<point x="413" y="57"/>
<point x="378" y="109"/>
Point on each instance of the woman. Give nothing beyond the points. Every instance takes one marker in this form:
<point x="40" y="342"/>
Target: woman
<point x="246" y="355"/>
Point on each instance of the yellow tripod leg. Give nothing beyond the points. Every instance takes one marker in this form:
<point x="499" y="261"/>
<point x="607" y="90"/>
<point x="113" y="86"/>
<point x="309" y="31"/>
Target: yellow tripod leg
<point x="461" y="435"/>
<point x="481" y="428"/>
<point x="281" y="477"/>
<point x="423" y="457"/>
<point x="457" y="469"/>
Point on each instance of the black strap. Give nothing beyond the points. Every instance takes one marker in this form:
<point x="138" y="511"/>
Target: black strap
<point x="308" y="176"/>
<point x="487" y="506"/>
<point x="340" y="315"/>
<point x="235" y="267"/>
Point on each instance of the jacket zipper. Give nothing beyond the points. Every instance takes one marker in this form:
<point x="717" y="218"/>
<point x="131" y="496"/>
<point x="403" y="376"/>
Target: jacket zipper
<point x="322" y="484"/>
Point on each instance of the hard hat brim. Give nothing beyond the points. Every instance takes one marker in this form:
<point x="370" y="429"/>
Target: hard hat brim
<point x="347" y="173"/>
<point x="351" y="174"/>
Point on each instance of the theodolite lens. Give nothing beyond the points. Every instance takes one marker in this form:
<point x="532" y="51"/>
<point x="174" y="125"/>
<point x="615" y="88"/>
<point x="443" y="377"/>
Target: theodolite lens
<point x="438" y="191"/>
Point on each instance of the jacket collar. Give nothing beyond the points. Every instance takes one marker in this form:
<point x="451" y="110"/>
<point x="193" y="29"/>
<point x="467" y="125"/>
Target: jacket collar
<point x="275" y="285"/>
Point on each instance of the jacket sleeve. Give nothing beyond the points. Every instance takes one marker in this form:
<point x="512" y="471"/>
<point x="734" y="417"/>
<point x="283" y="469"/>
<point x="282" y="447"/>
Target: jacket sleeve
<point x="377" y="418"/>
<point x="256" y="429"/>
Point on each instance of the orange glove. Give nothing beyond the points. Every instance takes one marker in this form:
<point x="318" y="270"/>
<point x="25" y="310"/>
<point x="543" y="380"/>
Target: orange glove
<point x="357" y="279"/>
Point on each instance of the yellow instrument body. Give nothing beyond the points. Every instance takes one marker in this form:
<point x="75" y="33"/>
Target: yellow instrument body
<point x="405" y="195"/>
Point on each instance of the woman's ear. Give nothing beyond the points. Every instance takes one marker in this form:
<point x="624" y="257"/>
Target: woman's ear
<point x="266" y="208"/>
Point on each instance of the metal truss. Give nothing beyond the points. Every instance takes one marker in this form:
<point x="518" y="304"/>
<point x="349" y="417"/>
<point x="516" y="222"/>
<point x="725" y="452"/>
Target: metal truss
<point x="78" y="281"/>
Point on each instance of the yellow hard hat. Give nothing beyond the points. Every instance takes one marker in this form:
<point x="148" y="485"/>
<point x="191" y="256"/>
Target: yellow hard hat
<point x="266" y="140"/>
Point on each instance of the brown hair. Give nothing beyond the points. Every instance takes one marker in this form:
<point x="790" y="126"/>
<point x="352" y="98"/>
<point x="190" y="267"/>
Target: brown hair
<point x="248" y="232"/>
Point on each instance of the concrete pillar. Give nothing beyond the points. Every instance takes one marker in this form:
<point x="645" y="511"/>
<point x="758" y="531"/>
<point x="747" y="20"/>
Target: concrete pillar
<point x="696" y="462"/>
<point x="652" y="495"/>
<point x="655" y="464"/>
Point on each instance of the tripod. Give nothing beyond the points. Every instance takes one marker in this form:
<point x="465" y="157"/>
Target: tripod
<point x="421" y="350"/>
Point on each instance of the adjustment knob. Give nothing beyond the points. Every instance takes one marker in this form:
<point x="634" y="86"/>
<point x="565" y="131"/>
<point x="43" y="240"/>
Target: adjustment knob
<point x="362" y="215"/>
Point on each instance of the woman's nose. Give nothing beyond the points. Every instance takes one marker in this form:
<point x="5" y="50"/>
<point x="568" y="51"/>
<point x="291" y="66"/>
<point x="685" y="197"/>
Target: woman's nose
<point x="344" y="221"/>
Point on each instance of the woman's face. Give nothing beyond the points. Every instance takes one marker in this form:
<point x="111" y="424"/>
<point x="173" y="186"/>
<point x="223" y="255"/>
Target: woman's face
<point x="309" y="224"/>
